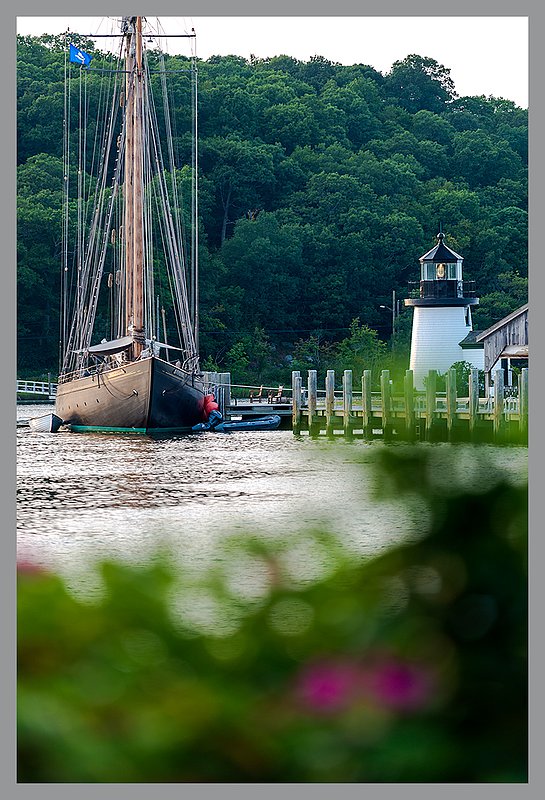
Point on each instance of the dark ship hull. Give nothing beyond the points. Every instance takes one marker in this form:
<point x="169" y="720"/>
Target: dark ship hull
<point x="140" y="397"/>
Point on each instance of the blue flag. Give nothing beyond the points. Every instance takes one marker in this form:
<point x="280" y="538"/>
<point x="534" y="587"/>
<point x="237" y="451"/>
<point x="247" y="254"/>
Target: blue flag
<point x="79" y="56"/>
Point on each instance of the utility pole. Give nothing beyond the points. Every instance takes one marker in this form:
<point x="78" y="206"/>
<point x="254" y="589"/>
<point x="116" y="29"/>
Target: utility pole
<point x="394" y="310"/>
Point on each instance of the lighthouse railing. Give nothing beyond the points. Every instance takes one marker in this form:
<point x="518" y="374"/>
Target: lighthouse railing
<point x="441" y="289"/>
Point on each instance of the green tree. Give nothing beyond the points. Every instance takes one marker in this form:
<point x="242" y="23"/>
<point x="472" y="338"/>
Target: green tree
<point x="291" y="124"/>
<point x="264" y="258"/>
<point x="243" y="174"/>
<point x="510" y="293"/>
<point x="480" y="159"/>
<point x="361" y="350"/>
<point x="308" y="353"/>
<point x="501" y="247"/>
<point x="453" y="206"/>
<point x="355" y="101"/>
<point x="237" y="361"/>
<point x="432" y="127"/>
<point x="249" y="360"/>
<point x="418" y="83"/>
<point x="463" y="371"/>
<point x="39" y="228"/>
<point x="317" y="71"/>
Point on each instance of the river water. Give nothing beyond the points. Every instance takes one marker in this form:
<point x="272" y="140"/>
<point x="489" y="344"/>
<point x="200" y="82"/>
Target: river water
<point x="86" y="497"/>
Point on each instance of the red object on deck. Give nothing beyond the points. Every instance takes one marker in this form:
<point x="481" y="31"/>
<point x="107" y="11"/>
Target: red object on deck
<point x="209" y="405"/>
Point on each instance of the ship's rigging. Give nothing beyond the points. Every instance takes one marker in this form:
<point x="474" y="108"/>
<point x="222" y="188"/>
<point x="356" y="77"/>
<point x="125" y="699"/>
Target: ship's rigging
<point x="123" y="229"/>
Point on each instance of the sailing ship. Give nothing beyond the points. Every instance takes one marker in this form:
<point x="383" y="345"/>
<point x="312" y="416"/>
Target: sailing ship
<point x="119" y="371"/>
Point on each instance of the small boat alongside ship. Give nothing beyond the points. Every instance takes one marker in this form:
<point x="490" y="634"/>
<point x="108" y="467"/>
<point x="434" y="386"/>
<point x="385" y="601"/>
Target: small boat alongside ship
<point x="217" y="424"/>
<point x="47" y="423"/>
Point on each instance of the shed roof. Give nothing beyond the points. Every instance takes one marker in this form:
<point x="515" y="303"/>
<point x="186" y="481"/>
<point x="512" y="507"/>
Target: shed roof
<point x="502" y="322"/>
<point x="515" y="351"/>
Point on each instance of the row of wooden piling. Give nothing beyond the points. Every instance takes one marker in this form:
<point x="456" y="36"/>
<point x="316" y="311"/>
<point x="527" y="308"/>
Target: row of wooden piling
<point x="410" y="420"/>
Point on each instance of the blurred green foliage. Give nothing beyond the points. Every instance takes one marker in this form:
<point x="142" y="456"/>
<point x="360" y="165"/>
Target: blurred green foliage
<point x="294" y="660"/>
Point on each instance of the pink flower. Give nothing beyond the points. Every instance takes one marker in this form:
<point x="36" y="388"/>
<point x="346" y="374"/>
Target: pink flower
<point x="383" y="681"/>
<point x="400" y="685"/>
<point x="328" y="686"/>
<point x="27" y="567"/>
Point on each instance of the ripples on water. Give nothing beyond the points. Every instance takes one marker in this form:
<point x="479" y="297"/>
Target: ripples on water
<point x="83" y="497"/>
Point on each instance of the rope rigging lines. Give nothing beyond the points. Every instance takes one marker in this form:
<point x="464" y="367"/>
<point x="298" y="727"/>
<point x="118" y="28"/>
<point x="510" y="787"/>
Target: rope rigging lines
<point x="94" y="235"/>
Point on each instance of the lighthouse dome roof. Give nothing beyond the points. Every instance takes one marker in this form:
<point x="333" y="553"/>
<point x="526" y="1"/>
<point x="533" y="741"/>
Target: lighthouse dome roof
<point x="441" y="253"/>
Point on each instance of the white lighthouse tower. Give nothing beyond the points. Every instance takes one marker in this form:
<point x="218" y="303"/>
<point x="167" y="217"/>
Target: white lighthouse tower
<point x="442" y="332"/>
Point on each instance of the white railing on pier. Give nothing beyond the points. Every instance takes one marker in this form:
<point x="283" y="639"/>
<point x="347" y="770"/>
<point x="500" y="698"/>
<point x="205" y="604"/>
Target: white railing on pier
<point x="253" y="394"/>
<point x="45" y="388"/>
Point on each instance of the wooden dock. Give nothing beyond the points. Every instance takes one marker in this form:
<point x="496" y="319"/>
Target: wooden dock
<point x="409" y="416"/>
<point x="361" y="412"/>
<point x="412" y="416"/>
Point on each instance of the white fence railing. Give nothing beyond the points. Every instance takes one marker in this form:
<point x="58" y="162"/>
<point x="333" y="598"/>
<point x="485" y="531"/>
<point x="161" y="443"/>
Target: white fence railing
<point x="37" y="387"/>
<point x="486" y="404"/>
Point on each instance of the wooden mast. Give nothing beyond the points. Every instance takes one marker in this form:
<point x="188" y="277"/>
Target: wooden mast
<point x="195" y="264"/>
<point x="134" y="237"/>
<point x="138" y="208"/>
<point x="128" y="180"/>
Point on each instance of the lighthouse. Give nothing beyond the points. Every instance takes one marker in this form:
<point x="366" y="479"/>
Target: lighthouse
<point x="442" y="331"/>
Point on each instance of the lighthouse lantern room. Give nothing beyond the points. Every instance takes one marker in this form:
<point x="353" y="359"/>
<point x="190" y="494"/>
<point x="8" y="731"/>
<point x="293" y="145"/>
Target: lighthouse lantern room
<point x="442" y="331"/>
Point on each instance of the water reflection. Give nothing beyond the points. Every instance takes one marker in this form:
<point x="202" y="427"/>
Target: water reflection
<point x="83" y="497"/>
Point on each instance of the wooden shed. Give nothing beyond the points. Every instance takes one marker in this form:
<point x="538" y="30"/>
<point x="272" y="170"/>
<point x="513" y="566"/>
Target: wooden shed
<point x="504" y="343"/>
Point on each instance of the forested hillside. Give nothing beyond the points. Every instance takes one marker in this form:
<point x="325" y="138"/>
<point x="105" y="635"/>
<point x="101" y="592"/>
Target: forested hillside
<point x="320" y="187"/>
